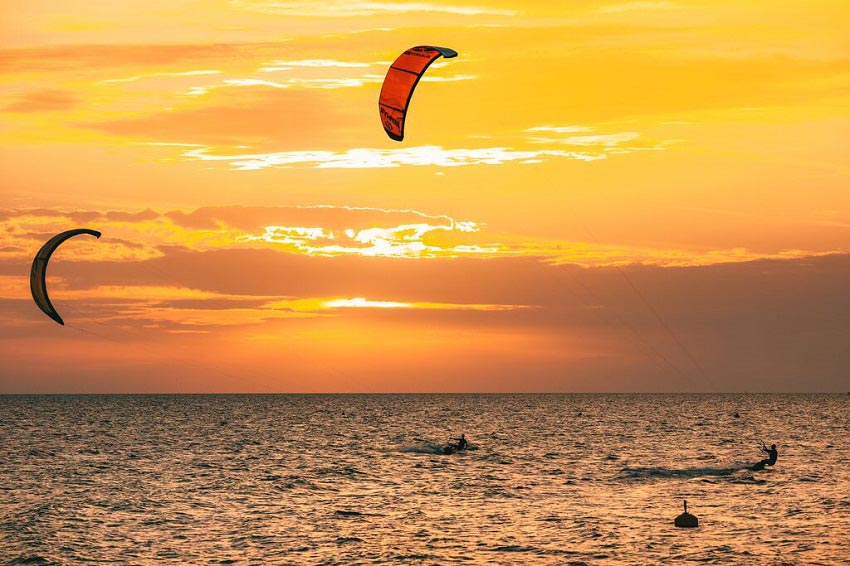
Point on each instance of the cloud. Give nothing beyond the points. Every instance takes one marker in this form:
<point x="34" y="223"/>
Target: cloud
<point x="136" y="78"/>
<point x="763" y="325"/>
<point x="260" y="113"/>
<point x="114" y="215"/>
<point x="333" y="217"/>
<point x="604" y="142"/>
<point x="561" y="129"/>
<point x="369" y="158"/>
<point x="317" y="74"/>
<point x="201" y="90"/>
<point x="590" y="145"/>
<point x="276" y="66"/>
<point x="404" y="240"/>
<point x="43" y="101"/>
<point x="255" y="88"/>
<point x="157" y="306"/>
<point x="327" y="231"/>
<point x="634" y="6"/>
<point x="98" y="57"/>
<point x="322" y="83"/>
<point x="346" y="8"/>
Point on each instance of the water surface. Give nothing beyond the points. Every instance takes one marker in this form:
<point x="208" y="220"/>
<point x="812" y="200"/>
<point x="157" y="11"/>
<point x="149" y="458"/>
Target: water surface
<point x="345" y="479"/>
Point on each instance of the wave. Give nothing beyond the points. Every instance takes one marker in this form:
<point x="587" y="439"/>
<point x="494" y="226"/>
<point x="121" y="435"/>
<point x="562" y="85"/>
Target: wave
<point x="430" y="448"/>
<point x="638" y="473"/>
<point x="339" y="471"/>
<point x="426" y="448"/>
<point x="348" y="513"/>
<point x="31" y="561"/>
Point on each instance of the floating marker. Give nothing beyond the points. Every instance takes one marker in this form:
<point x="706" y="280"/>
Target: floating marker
<point x="686" y="520"/>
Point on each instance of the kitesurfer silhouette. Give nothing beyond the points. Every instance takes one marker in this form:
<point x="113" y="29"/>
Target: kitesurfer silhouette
<point x="456" y="444"/>
<point x="772" y="455"/>
<point x="461" y="442"/>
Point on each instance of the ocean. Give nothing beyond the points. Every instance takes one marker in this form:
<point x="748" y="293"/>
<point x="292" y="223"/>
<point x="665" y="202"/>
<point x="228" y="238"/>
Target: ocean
<point x="357" y="479"/>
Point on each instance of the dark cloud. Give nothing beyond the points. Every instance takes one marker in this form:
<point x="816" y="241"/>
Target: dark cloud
<point x="760" y="325"/>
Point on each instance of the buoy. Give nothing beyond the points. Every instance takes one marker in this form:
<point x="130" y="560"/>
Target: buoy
<point x="686" y="520"/>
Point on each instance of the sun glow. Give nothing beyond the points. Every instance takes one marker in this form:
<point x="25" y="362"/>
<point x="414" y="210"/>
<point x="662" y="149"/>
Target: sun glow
<point x="360" y="302"/>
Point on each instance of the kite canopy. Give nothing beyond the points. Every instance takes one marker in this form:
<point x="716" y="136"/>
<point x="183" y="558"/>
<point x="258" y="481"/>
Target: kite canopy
<point x="38" y="284"/>
<point x="402" y="78"/>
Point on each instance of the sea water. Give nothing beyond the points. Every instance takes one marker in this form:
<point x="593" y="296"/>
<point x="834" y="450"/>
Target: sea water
<point x="356" y="479"/>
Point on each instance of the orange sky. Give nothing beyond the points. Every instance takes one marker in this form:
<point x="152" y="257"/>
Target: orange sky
<point x="593" y="196"/>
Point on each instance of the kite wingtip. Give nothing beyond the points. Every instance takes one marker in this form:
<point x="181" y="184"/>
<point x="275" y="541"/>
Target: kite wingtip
<point x="446" y="52"/>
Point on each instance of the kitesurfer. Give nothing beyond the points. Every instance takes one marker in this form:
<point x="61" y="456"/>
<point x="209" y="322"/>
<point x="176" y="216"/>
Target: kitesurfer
<point x="772" y="455"/>
<point x="461" y="443"/>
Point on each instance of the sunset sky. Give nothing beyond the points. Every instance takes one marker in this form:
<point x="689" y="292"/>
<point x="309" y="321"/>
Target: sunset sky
<point x="593" y="196"/>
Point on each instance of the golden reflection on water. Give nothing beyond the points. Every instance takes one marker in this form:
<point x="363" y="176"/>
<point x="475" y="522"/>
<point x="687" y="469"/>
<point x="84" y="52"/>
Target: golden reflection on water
<point x="552" y="479"/>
